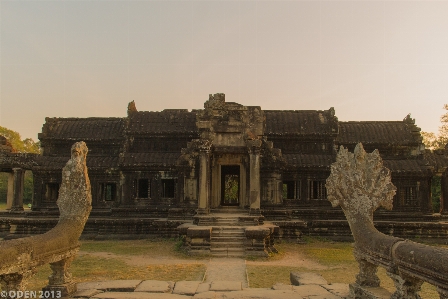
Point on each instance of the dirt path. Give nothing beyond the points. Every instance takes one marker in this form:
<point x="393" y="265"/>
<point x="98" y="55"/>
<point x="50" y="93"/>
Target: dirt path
<point x="144" y="260"/>
<point x="293" y="259"/>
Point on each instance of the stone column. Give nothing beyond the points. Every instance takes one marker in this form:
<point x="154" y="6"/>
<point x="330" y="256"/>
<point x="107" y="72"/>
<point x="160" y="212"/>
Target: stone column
<point x="190" y="186"/>
<point x="254" y="172"/>
<point x="204" y="180"/>
<point x="10" y="191"/>
<point x="424" y="191"/>
<point x="15" y="189"/>
<point x="444" y="199"/>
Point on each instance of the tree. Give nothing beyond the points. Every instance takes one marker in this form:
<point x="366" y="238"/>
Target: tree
<point x="22" y="146"/>
<point x="433" y="141"/>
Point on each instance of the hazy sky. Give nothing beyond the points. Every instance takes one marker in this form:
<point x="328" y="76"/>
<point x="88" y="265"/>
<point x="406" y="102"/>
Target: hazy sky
<point x="370" y="60"/>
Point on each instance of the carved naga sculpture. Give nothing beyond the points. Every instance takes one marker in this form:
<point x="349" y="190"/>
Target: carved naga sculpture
<point x="360" y="184"/>
<point x="19" y="258"/>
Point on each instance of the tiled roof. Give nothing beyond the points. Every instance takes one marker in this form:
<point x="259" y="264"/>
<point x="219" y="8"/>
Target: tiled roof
<point x="92" y="162"/>
<point x="150" y="159"/>
<point x="301" y="122"/>
<point x="166" y="121"/>
<point x="413" y="166"/>
<point x="83" y="128"/>
<point x="394" y="132"/>
<point x="438" y="161"/>
<point x="51" y="162"/>
<point x="309" y="160"/>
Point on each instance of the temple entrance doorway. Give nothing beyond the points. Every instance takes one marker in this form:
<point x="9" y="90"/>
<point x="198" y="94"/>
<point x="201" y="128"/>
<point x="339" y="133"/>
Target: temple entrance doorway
<point x="230" y="185"/>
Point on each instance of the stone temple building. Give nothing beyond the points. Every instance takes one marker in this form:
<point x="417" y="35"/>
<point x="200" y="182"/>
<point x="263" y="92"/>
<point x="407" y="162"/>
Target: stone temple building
<point x="175" y="164"/>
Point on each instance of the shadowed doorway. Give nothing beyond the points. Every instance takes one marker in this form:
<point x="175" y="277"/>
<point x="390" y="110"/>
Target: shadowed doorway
<point x="230" y="185"/>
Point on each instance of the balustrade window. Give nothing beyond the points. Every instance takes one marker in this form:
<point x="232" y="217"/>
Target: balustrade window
<point x="317" y="190"/>
<point x="409" y="196"/>
<point x="108" y="191"/>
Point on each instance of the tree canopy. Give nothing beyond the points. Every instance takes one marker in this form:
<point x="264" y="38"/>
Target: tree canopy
<point x="438" y="141"/>
<point x="26" y="145"/>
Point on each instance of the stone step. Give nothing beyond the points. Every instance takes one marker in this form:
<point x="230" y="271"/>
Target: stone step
<point x="227" y="240"/>
<point x="227" y="236"/>
<point x="216" y="232"/>
<point x="227" y="245"/>
<point x="227" y="251"/>
<point x="227" y="228"/>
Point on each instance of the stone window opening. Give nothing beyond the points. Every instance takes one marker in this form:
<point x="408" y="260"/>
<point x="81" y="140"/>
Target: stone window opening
<point x="108" y="191"/>
<point x="409" y="196"/>
<point x="143" y="188"/>
<point x="317" y="190"/>
<point x="51" y="192"/>
<point x="168" y="188"/>
<point x="289" y="190"/>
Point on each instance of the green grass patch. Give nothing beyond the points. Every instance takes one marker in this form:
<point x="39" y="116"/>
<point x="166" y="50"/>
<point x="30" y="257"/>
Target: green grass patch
<point x="3" y="206"/>
<point x="155" y="247"/>
<point x="337" y="256"/>
<point x="89" y="268"/>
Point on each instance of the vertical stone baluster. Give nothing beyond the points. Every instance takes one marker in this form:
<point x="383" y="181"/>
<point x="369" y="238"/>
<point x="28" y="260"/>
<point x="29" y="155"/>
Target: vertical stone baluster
<point x="443" y="293"/>
<point x="367" y="273"/>
<point x="407" y="286"/>
<point x="15" y="281"/>
<point x="61" y="279"/>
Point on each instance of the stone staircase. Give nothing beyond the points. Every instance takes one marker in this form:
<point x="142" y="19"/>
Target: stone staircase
<point x="228" y="230"/>
<point x="227" y="241"/>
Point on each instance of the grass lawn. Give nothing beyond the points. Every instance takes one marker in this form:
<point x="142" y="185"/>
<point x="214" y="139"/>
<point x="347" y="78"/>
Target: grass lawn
<point x="92" y="268"/>
<point x="104" y="260"/>
<point x="3" y="206"/>
<point x="337" y="256"/>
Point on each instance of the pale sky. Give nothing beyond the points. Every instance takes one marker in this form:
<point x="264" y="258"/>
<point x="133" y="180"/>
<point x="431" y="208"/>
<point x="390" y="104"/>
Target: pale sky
<point x="370" y="60"/>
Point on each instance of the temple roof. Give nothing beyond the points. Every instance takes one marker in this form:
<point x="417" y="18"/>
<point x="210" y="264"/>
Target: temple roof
<point x="300" y="122"/>
<point x="309" y="160"/>
<point x="94" y="128"/>
<point x="166" y="121"/>
<point x="150" y="159"/>
<point x="410" y="166"/>
<point x="57" y="163"/>
<point x="437" y="159"/>
<point x="371" y="132"/>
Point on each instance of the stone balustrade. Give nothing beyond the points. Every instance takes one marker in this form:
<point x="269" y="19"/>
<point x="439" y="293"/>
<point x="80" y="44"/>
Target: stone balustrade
<point x="19" y="258"/>
<point x="360" y="184"/>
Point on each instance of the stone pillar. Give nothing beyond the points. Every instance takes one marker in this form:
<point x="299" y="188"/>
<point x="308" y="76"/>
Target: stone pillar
<point x="406" y="286"/>
<point x="15" y="190"/>
<point x="204" y="180"/>
<point x="190" y="187"/>
<point x="10" y="191"/>
<point x="424" y="191"/>
<point x="61" y="283"/>
<point x="444" y="199"/>
<point x="254" y="172"/>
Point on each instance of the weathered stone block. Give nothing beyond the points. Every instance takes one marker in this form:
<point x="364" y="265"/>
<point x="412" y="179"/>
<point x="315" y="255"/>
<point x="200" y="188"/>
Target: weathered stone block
<point x="226" y="286"/>
<point x="186" y="287"/>
<point x="306" y="278"/>
<point x="110" y="285"/>
<point x="154" y="286"/>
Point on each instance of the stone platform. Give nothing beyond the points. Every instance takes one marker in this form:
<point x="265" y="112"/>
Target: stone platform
<point x="135" y="289"/>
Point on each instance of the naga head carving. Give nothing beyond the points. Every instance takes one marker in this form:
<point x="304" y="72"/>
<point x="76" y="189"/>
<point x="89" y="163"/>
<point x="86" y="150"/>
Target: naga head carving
<point x="75" y="199"/>
<point x="359" y="183"/>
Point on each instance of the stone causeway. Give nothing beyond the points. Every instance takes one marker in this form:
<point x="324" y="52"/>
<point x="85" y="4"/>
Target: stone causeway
<point x="134" y="289"/>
